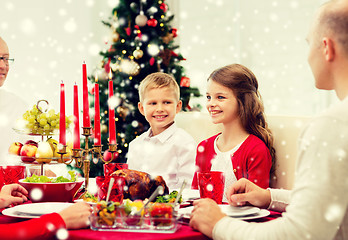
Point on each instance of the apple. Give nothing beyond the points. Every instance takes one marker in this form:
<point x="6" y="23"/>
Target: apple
<point x="28" y="152"/>
<point x="31" y="142"/>
<point x="15" y="148"/>
<point x="107" y="156"/>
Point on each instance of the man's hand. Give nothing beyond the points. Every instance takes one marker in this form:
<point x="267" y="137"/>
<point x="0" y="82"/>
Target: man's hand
<point x="12" y="194"/>
<point x="206" y="213"/>
<point x="244" y="192"/>
<point x="76" y="216"/>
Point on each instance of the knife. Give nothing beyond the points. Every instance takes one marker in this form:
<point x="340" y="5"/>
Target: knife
<point x="19" y="213"/>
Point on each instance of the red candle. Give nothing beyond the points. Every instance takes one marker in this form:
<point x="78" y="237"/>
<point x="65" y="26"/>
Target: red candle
<point x="62" y="129"/>
<point x="112" y="124"/>
<point x="86" y="120"/>
<point x="76" y="136"/>
<point x="97" y="136"/>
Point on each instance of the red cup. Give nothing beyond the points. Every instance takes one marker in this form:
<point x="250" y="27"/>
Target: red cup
<point x="112" y="167"/>
<point x="11" y="174"/>
<point x="211" y="185"/>
<point x="116" y="194"/>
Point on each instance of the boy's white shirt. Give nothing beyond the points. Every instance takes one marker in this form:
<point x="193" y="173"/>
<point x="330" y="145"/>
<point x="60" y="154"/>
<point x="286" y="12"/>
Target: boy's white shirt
<point x="170" y="154"/>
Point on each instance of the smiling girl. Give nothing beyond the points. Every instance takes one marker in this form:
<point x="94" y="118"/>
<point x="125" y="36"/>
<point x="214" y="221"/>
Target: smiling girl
<point x="244" y="148"/>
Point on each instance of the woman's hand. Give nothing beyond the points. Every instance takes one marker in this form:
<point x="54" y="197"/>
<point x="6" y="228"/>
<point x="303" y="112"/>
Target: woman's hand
<point x="206" y="213"/>
<point x="12" y="194"/>
<point x="245" y="192"/>
<point x="76" y="216"/>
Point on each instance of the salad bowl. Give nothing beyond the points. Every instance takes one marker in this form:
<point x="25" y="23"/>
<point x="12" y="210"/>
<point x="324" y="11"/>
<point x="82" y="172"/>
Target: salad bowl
<point x="52" y="191"/>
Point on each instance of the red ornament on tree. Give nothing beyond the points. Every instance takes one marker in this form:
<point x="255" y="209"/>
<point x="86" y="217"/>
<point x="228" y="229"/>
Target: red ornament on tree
<point x="174" y="31"/>
<point x="107" y="66"/>
<point x="128" y="31"/>
<point x="174" y="54"/>
<point x="152" y="61"/>
<point x="163" y="7"/>
<point x="185" y="82"/>
<point x="138" y="31"/>
<point x="152" y="22"/>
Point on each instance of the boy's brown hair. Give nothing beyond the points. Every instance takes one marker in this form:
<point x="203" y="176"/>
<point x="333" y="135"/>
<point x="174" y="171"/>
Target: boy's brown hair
<point x="158" y="80"/>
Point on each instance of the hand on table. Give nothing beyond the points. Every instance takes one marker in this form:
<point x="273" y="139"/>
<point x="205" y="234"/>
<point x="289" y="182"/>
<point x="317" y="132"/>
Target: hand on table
<point x="12" y="194"/>
<point x="245" y="192"/>
<point x="205" y="214"/>
<point x="76" y="216"/>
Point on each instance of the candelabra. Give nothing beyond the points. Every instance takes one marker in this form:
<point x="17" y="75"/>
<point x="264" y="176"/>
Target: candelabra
<point x="81" y="156"/>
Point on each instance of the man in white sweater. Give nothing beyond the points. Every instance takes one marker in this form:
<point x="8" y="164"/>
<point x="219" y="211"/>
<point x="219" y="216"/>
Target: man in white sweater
<point x="317" y="207"/>
<point x="11" y="108"/>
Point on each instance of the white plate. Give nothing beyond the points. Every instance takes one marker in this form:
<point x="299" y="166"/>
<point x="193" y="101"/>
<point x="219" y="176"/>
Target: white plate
<point x="261" y="214"/>
<point x="229" y="210"/>
<point x="35" y="210"/>
<point x="238" y="211"/>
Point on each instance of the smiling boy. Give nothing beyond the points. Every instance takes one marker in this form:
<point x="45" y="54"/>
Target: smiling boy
<point x="164" y="149"/>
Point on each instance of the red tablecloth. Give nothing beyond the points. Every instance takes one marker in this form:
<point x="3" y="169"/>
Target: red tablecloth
<point x="183" y="232"/>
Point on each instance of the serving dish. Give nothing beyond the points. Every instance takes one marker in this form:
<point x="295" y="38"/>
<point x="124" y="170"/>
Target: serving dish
<point x="131" y="216"/>
<point x="145" y="223"/>
<point x="52" y="192"/>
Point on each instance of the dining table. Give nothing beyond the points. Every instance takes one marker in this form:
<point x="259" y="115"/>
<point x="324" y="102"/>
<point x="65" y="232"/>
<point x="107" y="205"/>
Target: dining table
<point x="184" y="231"/>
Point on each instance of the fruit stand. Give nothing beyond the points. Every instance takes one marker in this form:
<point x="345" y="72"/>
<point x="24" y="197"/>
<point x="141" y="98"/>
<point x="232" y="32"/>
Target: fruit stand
<point x="44" y="122"/>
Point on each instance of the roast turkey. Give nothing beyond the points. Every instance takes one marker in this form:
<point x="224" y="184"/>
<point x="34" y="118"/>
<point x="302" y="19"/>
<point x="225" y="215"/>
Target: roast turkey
<point x="140" y="184"/>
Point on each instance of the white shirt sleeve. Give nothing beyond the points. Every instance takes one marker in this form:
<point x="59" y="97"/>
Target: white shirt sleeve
<point x="318" y="205"/>
<point x="280" y="198"/>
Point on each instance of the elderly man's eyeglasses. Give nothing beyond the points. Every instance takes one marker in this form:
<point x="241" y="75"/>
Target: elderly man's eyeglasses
<point x="7" y="60"/>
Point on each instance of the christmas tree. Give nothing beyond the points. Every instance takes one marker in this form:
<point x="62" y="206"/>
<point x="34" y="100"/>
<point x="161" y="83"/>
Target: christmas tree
<point x="142" y="42"/>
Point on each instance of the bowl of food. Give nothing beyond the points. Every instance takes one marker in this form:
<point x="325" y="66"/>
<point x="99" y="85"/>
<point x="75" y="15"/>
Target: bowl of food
<point x="45" y="189"/>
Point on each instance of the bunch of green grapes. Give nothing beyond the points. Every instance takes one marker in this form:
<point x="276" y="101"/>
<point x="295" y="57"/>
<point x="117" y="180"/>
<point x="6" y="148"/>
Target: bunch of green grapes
<point x="43" y="122"/>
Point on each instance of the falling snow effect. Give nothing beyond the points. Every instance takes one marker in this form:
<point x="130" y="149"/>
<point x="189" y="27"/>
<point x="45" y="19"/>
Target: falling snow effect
<point x="282" y="25"/>
<point x="113" y="102"/>
<point x="266" y="50"/>
<point x="62" y="234"/>
<point x="334" y="212"/>
<point x="263" y="37"/>
<point x="36" y="194"/>
<point x="200" y="149"/>
<point x="210" y="187"/>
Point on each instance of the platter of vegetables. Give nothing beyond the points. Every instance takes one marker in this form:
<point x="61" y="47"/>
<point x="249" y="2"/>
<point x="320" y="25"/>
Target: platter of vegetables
<point x="159" y="216"/>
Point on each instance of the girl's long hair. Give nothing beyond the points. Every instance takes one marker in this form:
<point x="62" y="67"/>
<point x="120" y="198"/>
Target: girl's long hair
<point x="244" y="85"/>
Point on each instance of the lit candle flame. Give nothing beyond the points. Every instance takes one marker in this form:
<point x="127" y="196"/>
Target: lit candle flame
<point x="110" y="75"/>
